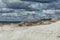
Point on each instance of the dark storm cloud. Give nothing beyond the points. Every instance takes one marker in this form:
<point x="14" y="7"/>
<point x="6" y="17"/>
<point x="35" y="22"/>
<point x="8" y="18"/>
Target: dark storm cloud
<point x="55" y="5"/>
<point x="31" y="6"/>
<point x="6" y="11"/>
<point x="41" y="1"/>
<point x="19" y="5"/>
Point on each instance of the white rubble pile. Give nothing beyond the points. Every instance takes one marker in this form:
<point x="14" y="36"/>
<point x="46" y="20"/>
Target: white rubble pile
<point x="40" y="32"/>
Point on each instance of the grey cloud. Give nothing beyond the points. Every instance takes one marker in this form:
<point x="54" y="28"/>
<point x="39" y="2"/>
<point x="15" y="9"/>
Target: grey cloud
<point x="6" y="10"/>
<point x="41" y="1"/>
<point x="31" y="6"/>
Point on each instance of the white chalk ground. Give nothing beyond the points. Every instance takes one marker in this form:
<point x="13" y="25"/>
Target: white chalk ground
<point x="42" y="32"/>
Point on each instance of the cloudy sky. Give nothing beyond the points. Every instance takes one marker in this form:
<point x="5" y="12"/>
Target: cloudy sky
<point x="29" y="6"/>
